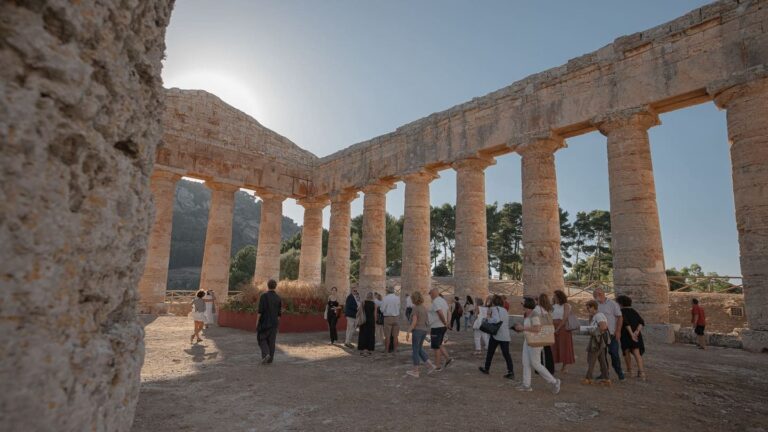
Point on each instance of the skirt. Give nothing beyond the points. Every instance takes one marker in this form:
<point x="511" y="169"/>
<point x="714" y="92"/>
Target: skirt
<point x="562" y="350"/>
<point x="197" y="316"/>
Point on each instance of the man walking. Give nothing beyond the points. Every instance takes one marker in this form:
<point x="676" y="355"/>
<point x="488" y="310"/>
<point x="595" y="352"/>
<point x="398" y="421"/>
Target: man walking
<point x="268" y="319"/>
<point x="350" y="311"/>
<point x="699" y="321"/>
<point x="438" y="323"/>
<point x="390" y="308"/>
<point x="612" y="313"/>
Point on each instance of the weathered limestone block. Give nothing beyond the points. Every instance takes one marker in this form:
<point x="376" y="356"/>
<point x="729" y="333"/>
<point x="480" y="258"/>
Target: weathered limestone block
<point x="153" y="282"/>
<point x="417" y="263"/>
<point x="311" y="257"/>
<point x="80" y="103"/>
<point x="542" y="261"/>
<point x="214" y="274"/>
<point x="337" y="261"/>
<point x="470" y="271"/>
<point x="373" y="248"/>
<point x="268" y="249"/>
<point x="638" y="255"/>
<point x="747" y="116"/>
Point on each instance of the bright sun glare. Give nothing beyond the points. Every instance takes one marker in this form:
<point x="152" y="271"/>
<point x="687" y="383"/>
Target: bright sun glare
<point x="228" y="88"/>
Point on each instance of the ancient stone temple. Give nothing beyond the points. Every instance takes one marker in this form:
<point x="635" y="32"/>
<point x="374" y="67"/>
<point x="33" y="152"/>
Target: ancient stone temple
<point x="92" y="147"/>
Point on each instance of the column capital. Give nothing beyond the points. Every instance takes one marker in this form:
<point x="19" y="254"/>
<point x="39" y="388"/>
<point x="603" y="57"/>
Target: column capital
<point x="473" y="163"/>
<point x="221" y="186"/>
<point x="637" y="118"/>
<point x="378" y="187"/>
<point x="541" y="146"/>
<point x="313" y="203"/>
<point x="421" y="176"/>
<point x="267" y="195"/>
<point x="161" y="174"/>
<point x="725" y="91"/>
<point x="343" y="196"/>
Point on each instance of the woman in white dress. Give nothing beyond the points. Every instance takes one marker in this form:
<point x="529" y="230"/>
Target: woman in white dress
<point x="210" y="308"/>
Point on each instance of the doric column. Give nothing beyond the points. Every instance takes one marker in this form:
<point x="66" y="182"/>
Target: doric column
<point x="373" y="250"/>
<point x="417" y="263"/>
<point x="747" y="116"/>
<point x="337" y="261"/>
<point x="638" y="256"/>
<point x="218" y="239"/>
<point x="270" y="228"/>
<point x="470" y="269"/>
<point x="311" y="258"/>
<point x="542" y="261"/>
<point x="153" y="281"/>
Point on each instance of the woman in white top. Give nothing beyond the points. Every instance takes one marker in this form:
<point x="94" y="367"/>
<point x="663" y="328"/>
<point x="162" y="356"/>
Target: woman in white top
<point x="562" y="350"/>
<point x="501" y="339"/>
<point x="598" y="342"/>
<point x="210" y="308"/>
<point x="481" y="339"/>
<point x="532" y="355"/>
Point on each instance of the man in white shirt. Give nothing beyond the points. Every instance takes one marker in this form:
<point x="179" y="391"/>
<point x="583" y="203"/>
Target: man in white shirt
<point x="390" y="308"/>
<point x="612" y="313"/>
<point x="437" y="318"/>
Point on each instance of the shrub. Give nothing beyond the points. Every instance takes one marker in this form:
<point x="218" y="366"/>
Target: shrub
<point x="298" y="298"/>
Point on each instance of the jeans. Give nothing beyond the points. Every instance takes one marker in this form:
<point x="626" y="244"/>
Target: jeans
<point x="532" y="359"/>
<point x="613" y="350"/>
<point x="492" y="344"/>
<point x="351" y="324"/>
<point x="417" y="340"/>
<point x="481" y="339"/>
<point x="468" y="319"/>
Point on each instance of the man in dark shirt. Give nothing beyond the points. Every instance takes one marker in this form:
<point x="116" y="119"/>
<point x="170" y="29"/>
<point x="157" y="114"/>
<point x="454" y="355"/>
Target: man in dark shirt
<point x="350" y="311"/>
<point x="268" y="320"/>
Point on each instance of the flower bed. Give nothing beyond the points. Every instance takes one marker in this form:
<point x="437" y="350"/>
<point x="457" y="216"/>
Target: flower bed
<point x="289" y="323"/>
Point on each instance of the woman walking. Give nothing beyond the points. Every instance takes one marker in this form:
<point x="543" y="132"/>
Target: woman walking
<point x="332" y="309"/>
<point x="469" y="312"/>
<point x="501" y="339"/>
<point x="532" y="355"/>
<point x="562" y="350"/>
<point x="481" y="338"/>
<point x="598" y="344"/>
<point x="419" y="329"/>
<point x="366" y="341"/>
<point x="631" y="336"/>
<point x="198" y="316"/>
<point x="544" y="311"/>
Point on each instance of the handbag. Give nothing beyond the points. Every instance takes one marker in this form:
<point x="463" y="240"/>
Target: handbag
<point x="545" y="336"/>
<point x="360" y="317"/>
<point x="572" y="322"/>
<point x="490" y="328"/>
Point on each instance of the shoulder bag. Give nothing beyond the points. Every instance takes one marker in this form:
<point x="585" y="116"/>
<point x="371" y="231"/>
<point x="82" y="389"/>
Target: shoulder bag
<point x="360" y="318"/>
<point x="545" y="335"/>
<point x="572" y="323"/>
<point x="490" y="328"/>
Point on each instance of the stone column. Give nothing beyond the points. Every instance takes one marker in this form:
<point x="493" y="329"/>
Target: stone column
<point x="153" y="282"/>
<point x="416" y="271"/>
<point x="542" y="260"/>
<point x="470" y="269"/>
<point x="268" y="248"/>
<point x="218" y="239"/>
<point x="638" y="256"/>
<point x="337" y="261"/>
<point x="311" y="258"/>
<point x="747" y="116"/>
<point x="373" y="253"/>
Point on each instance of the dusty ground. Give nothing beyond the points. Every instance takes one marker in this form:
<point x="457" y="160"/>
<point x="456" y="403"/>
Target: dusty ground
<point x="218" y="385"/>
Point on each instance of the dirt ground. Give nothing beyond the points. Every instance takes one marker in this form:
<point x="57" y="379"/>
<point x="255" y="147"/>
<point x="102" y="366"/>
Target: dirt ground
<point x="219" y="385"/>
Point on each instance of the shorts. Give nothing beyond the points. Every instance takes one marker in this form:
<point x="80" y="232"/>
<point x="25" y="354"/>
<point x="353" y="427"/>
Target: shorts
<point x="699" y="330"/>
<point x="391" y="327"/>
<point x="436" y="336"/>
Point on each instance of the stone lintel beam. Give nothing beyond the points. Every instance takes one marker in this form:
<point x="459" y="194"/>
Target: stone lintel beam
<point x="214" y="274"/>
<point x="416" y="273"/>
<point x="542" y="262"/>
<point x="337" y="261"/>
<point x="638" y="256"/>
<point x="311" y="257"/>
<point x="470" y="271"/>
<point x="270" y="228"/>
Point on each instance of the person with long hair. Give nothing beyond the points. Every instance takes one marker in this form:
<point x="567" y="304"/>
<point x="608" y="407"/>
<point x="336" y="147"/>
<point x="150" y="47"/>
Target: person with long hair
<point x="532" y="355"/>
<point x="631" y="336"/>
<point x="562" y="350"/>
<point x="419" y="329"/>
<point x="481" y="338"/>
<point x="469" y="312"/>
<point x="331" y="314"/>
<point x="198" y="316"/>
<point x="366" y="341"/>
<point x="544" y="310"/>
<point x="501" y="339"/>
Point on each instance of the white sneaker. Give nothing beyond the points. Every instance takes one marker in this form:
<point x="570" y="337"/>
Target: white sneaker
<point x="412" y="373"/>
<point x="556" y="387"/>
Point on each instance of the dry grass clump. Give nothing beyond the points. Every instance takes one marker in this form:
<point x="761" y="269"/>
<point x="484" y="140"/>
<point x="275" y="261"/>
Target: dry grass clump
<point x="298" y="297"/>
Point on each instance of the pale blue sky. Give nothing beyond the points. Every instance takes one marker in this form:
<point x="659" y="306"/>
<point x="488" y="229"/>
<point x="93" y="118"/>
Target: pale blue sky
<point x="328" y="74"/>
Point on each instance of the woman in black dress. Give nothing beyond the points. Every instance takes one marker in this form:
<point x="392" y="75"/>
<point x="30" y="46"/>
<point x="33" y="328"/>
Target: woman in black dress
<point x="331" y="314"/>
<point x="366" y="341"/>
<point x="631" y="336"/>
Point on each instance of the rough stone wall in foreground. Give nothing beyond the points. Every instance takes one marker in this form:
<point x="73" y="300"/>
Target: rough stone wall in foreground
<point x="80" y="110"/>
